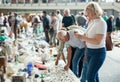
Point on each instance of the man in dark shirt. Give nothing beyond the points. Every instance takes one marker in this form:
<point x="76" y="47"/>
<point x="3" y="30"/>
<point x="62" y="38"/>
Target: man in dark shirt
<point x="67" y="19"/>
<point x="46" y="26"/>
<point x="117" y="22"/>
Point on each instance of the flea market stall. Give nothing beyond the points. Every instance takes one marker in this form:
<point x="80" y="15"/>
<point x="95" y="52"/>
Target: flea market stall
<point x="34" y="61"/>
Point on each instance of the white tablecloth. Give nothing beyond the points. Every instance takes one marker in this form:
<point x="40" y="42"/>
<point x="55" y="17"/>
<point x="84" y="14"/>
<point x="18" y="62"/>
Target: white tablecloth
<point x="51" y="74"/>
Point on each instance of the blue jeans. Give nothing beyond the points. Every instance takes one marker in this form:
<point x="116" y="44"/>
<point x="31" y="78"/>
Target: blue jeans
<point x="95" y="59"/>
<point x="84" y="71"/>
<point x="76" y="59"/>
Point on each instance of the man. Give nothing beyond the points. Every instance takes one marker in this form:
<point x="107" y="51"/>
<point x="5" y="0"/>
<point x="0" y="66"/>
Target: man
<point x="60" y="17"/>
<point x="71" y="41"/>
<point x="54" y="25"/>
<point x="67" y="19"/>
<point x="1" y="19"/>
<point x="117" y="22"/>
<point x="81" y="19"/>
<point x="46" y="26"/>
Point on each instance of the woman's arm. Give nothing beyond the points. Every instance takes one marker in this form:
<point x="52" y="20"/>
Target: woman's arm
<point x="96" y="40"/>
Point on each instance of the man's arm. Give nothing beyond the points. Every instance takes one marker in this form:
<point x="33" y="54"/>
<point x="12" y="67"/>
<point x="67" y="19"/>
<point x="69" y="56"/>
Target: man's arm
<point x="69" y="51"/>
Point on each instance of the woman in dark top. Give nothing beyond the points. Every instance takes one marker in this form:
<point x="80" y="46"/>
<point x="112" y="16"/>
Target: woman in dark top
<point x="110" y="23"/>
<point x="109" y="44"/>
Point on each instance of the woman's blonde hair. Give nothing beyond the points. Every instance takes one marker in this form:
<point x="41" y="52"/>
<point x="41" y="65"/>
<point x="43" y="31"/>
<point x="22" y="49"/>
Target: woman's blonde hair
<point x="95" y="8"/>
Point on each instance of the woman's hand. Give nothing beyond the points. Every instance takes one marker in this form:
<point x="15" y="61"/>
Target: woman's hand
<point x="77" y="35"/>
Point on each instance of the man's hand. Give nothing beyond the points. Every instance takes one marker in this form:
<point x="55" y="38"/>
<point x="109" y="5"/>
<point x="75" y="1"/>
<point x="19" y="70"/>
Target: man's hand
<point x="56" y="62"/>
<point x="66" y="67"/>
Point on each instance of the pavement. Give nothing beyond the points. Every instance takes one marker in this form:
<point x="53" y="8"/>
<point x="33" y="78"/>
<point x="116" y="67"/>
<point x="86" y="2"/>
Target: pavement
<point x="110" y="71"/>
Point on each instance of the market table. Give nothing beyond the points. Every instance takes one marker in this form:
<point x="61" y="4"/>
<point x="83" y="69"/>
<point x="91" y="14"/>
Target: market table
<point x="26" y="52"/>
<point x="53" y="73"/>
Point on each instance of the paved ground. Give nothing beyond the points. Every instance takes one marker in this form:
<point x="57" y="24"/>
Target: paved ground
<point x="110" y="71"/>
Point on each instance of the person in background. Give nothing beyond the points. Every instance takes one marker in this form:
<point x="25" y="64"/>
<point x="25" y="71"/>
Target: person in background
<point x="36" y="24"/>
<point x="60" y="17"/>
<point x="54" y="24"/>
<point x="1" y="19"/>
<point x="81" y="19"/>
<point x="9" y="18"/>
<point x="74" y="20"/>
<point x="110" y="24"/>
<point x="117" y="22"/>
<point x="109" y="31"/>
<point x="46" y="25"/>
<point x="5" y="21"/>
<point x="105" y="17"/>
<point x="67" y="19"/>
<point x="94" y="37"/>
<point x="16" y="25"/>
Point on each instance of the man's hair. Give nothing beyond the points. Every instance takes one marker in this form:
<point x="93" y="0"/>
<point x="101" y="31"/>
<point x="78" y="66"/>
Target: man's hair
<point x="45" y="12"/>
<point x="63" y="33"/>
<point x="53" y="14"/>
<point x="58" y="11"/>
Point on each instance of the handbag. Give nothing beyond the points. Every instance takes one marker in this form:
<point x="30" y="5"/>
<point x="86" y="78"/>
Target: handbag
<point x="109" y="44"/>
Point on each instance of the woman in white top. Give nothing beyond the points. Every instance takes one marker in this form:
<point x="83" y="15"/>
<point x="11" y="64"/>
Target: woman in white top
<point x="95" y="41"/>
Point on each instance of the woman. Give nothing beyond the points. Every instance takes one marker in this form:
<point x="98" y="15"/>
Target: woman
<point x="109" y="44"/>
<point x="95" y="41"/>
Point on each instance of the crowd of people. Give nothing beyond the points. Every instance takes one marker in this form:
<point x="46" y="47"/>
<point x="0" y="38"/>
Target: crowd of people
<point x="85" y="52"/>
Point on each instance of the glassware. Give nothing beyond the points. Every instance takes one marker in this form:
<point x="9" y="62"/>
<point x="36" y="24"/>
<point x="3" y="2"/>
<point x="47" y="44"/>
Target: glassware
<point x="29" y="68"/>
<point x="42" y="77"/>
<point x="51" y="52"/>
